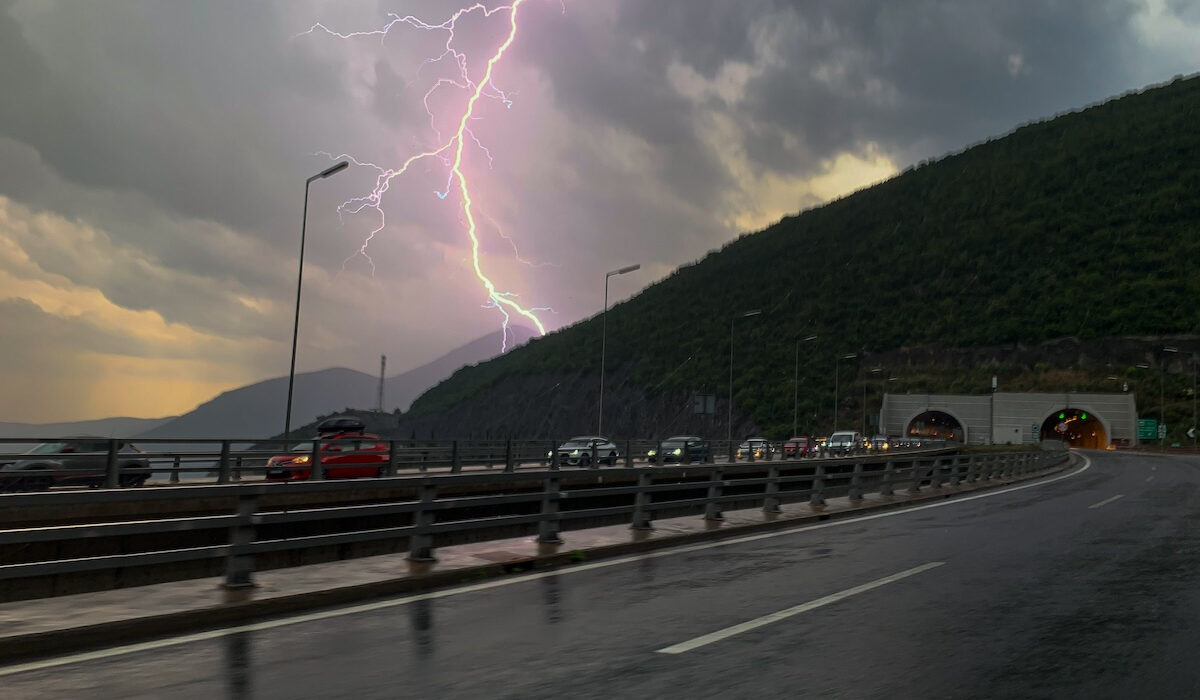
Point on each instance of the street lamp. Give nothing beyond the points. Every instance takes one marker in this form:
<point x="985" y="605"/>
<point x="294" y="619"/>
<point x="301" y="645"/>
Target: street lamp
<point x="746" y="314"/>
<point x="604" y="338"/>
<point x="331" y="170"/>
<point x="836" y="373"/>
<point x="874" y="370"/>
<point x="1162" y="394"/>
<point x="796" y="383"/>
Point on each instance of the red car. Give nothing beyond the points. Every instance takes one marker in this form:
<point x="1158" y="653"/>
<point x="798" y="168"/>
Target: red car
<point x="348" y="455"/>
<point x="798" y="447"/>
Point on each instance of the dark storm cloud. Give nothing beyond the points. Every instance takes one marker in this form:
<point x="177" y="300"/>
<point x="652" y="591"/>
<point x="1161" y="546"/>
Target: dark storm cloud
<point x="919" y="78"/>
<point x="133" y="96"/>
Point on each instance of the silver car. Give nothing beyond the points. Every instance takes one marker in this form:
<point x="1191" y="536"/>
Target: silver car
<point x="73" y="461"/>
<point x="579" y="451"/>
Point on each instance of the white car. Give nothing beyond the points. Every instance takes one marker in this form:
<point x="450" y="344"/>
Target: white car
<point x="579" y="451"/>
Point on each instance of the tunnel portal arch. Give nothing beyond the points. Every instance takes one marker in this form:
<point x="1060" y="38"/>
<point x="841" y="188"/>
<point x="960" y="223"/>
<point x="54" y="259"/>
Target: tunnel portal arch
<point x="1076" y="427"/>
<point x="937" y="425"/>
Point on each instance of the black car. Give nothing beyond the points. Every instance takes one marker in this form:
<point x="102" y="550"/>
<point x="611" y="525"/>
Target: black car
<point x="681" y="448"/>
<point x="73" y="461"/>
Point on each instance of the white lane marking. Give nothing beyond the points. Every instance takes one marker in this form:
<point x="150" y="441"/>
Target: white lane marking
<point x="717" y="636"/>
<point x="1149" y="479"/>
<point x="434" y="595"/>
<point x="1106" y="501"/>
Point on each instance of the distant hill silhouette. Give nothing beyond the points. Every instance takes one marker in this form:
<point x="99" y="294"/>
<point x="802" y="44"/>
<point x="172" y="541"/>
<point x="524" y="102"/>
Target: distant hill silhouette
<point x="106" y="427"/>
<point x="257" y="410"/>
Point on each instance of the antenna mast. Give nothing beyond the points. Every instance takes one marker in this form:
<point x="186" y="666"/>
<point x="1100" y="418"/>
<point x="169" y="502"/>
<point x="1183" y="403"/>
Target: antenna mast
<point x="382" y="369"/>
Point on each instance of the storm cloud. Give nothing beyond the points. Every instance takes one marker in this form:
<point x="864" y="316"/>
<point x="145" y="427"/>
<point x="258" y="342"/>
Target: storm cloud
<point x="154" y="158"/>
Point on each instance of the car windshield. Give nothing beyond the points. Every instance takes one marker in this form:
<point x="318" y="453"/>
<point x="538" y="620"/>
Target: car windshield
<point x="303" y="447"/>
<point x="576" y="444"/>
<point x="47" y="448"/>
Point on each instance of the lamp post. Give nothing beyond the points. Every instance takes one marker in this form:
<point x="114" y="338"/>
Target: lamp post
<point x="836" y="376"/>
<point x="333" y="169"/>
<point x="1162" y="393"/>
<point x="745" y="314"/>
<point x="796" y="383"/>
<point x="874" y="370"/>
<point x="604" y="339"/>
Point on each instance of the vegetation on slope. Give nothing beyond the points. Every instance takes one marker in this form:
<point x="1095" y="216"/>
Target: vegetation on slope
<point x="1085" y="225"/>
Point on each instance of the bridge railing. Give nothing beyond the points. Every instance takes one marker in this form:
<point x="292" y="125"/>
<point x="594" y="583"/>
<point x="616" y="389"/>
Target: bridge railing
<point x="248" y="536"/>
<point x="116" y="463"/>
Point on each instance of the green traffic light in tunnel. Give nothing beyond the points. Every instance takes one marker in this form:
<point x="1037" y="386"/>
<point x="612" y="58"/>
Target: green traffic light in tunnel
<point x="1083" y="416"/>
<point x="1061" y="416"/>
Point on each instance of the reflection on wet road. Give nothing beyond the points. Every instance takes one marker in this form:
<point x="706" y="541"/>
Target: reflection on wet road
<point x="1085" y="587"/>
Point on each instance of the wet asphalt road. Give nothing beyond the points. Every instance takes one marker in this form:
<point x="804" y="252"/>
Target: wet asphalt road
<point x="1054" y="591"/>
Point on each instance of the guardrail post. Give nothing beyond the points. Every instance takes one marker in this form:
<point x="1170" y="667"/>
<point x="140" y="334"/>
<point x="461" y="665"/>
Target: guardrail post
<point x="1002" y="469"/>
<point x="659" y="458"/>
<point x="555" y="465"/>
<point x="393" y="458"/>
<point x="112" y="476"/>
<point x="712" y="510"/>
<point x="237" y="469"/>
<point x="732" y="454"/>
<point x="629" y="454"/>
<point x="594" y="463"/>
<point x="642" y="517"/>
<point x="887" y="486"/>
<point x="935" y="473"/>
<point x="420" y="544"/>
<point x="548" y="524"/>
<point x="239" y="564"/>
<point x="223" y="465"/>
<point x="317" y="469"/>
<point x="955" y="463"/>
<point x="914" y="484"/>
<point x="175" y="470"/>
<point x="856" y="491"/>
<point x="455" y="458"/>
<point x="771" y="499"/>
<point x="510" y="461"/>
<point x="817" y="497"/>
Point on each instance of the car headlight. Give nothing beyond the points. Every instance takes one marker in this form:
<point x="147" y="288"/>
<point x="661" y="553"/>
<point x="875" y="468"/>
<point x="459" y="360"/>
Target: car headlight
<point x="303" y="459"/>
<point x="574" y="452"/>
<point x="678" y="451"/>
<point x="550" y="454"/>
<point x="651" y="453"/>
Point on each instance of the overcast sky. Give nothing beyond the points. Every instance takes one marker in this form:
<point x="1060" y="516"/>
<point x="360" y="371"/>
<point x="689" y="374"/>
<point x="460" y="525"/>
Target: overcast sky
<point x="153" y="158"/>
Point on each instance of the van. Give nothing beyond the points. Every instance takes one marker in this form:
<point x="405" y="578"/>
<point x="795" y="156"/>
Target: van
<point x="844" y="442"/>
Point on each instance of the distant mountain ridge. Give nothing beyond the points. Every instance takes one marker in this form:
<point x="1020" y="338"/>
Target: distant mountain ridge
<point x="257" y="410"/>
<point x="105" y="427"/>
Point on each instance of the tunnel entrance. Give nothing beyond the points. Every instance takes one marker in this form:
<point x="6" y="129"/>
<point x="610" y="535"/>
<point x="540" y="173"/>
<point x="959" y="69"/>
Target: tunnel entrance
<point x="936" y="425"/>
<point x="1075" y="427"/>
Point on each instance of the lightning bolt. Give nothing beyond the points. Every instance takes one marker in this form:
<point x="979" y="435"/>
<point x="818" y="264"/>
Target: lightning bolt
<point x="449" y="151"/>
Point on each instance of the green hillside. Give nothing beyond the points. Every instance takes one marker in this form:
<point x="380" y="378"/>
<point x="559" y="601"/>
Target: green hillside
<point x="1085" y="225"/>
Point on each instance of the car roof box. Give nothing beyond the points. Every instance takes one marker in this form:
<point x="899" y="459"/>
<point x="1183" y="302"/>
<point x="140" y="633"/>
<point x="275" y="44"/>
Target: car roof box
<point x="340" y="424"/>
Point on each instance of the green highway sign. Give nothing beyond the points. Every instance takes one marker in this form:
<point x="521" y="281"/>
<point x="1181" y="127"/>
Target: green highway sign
<point x="1147" y="428"/>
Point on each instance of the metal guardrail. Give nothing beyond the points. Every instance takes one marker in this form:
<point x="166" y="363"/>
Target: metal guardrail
<point x="114" y="463"/>
<point x="700" y="488"/>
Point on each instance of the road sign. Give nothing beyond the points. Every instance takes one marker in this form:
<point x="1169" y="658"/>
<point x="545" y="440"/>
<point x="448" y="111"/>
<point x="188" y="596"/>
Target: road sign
<point x="1147" y="428"/>
<point x="1162" y="431"/>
